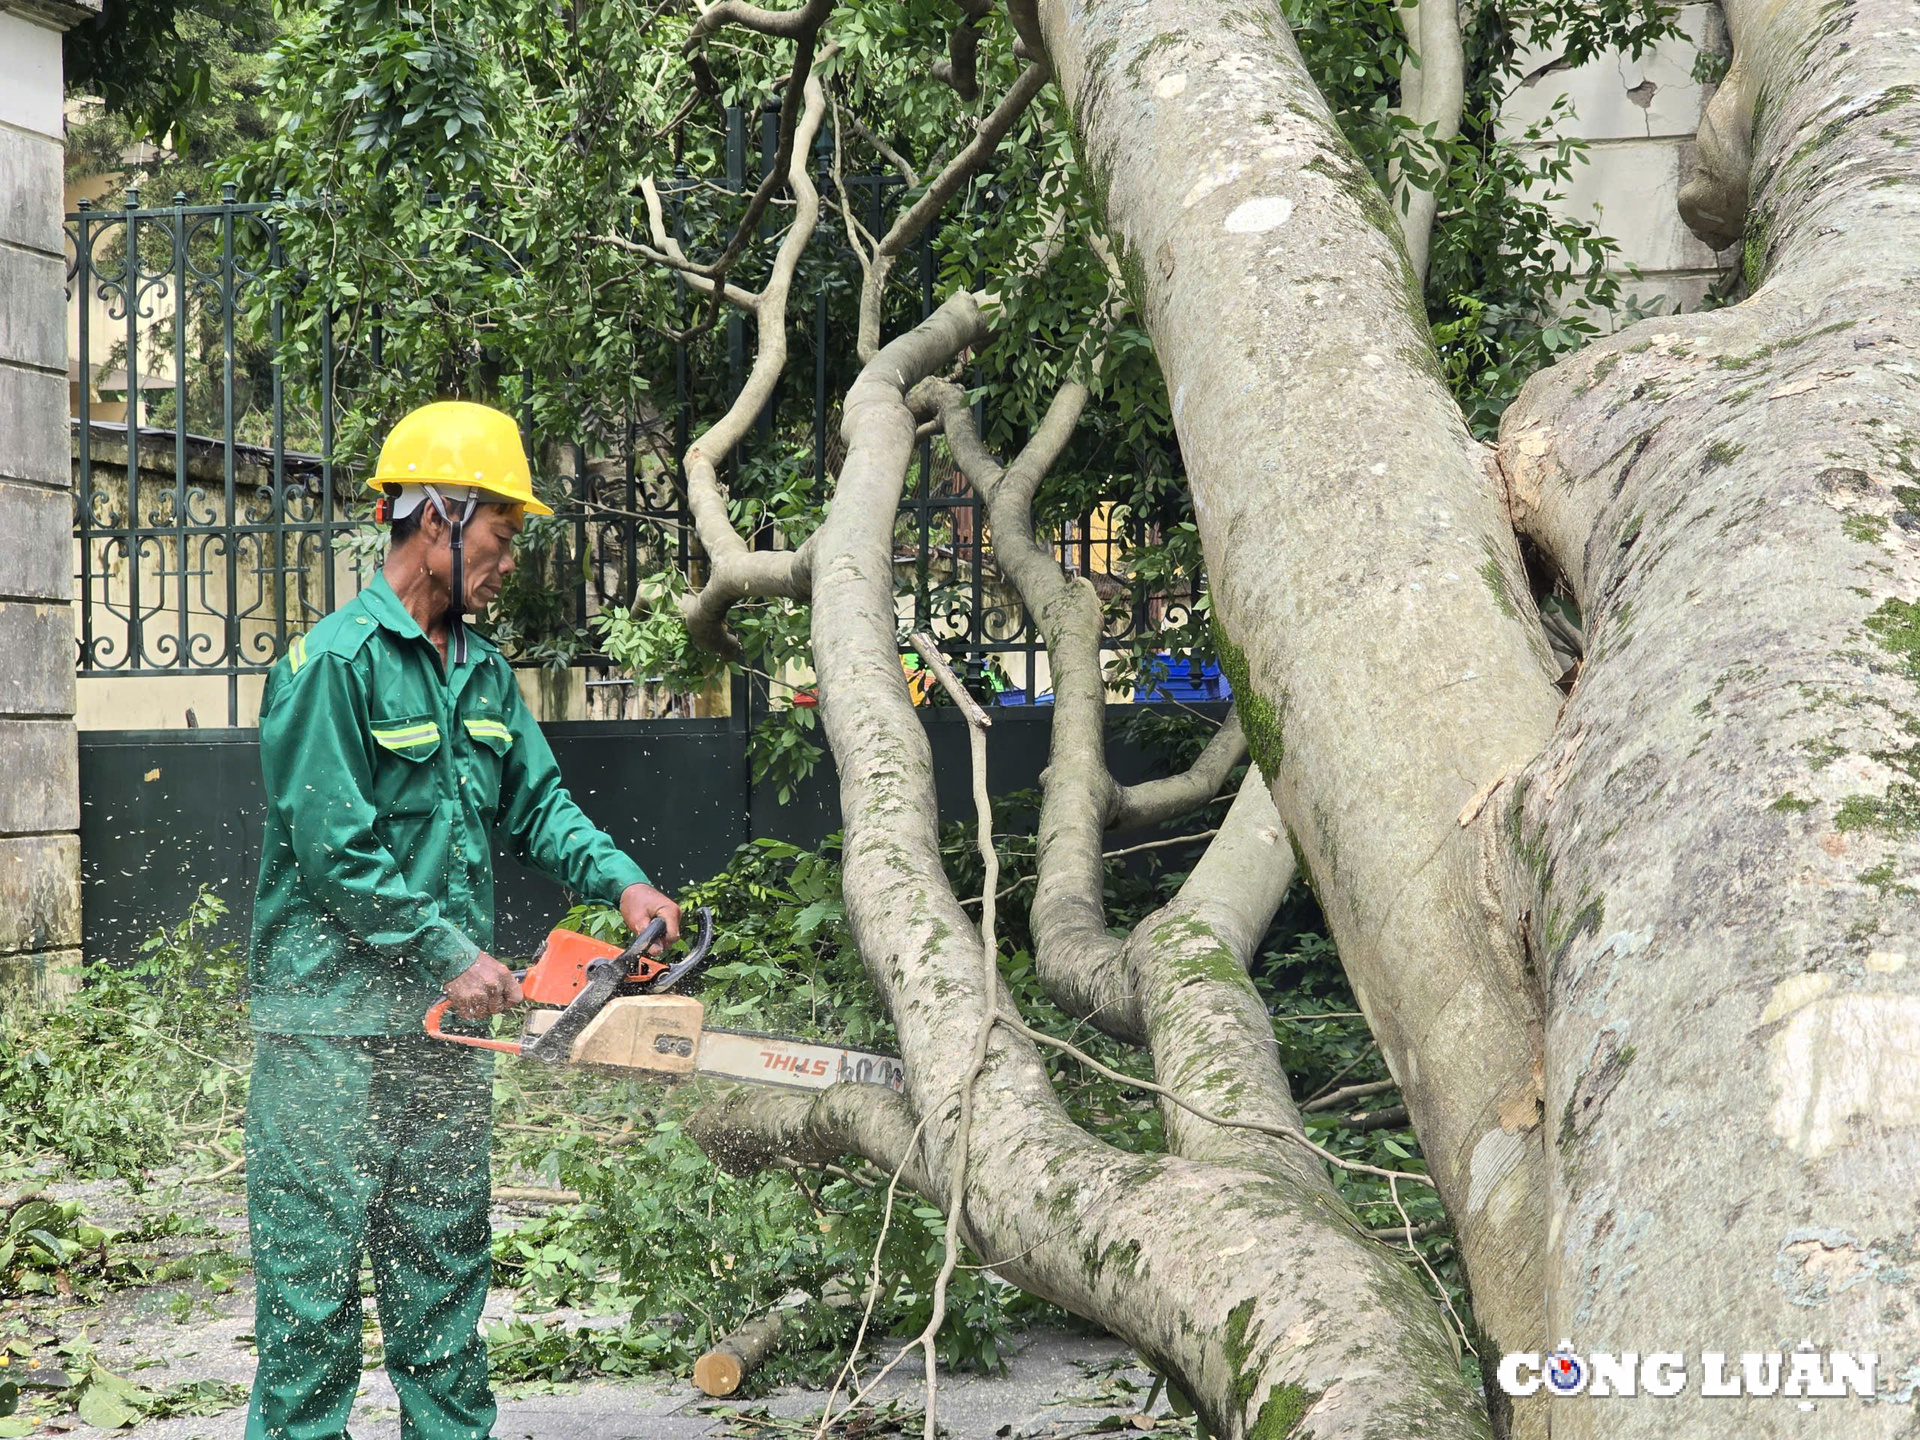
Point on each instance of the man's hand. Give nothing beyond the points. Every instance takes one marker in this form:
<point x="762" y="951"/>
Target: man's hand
<point x="484" y="988"/>
<point x="641" y="904"/>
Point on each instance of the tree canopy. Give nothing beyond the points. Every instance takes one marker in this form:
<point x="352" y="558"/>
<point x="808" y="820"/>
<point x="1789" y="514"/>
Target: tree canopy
<point x="462" y="179"/>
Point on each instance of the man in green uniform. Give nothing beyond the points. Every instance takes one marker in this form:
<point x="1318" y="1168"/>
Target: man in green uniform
<point x="394" y="742"/>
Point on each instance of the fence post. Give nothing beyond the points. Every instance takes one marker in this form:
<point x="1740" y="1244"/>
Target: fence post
<point x="83" y="274"/>
<point x="180" y="413"/>
<point x="282" y="571"/>
<point x="130" y="293"/>
<point x="226" y="404"/>
<point x="331" y="526"/>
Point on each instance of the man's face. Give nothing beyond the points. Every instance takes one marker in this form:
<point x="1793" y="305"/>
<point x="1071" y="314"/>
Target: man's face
<point x="488" y="559"/>
<point x="486" y="552"/>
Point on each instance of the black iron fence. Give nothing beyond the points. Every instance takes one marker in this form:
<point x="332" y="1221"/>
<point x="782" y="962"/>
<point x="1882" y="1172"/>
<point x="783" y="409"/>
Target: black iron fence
<point x="214" y="521"/>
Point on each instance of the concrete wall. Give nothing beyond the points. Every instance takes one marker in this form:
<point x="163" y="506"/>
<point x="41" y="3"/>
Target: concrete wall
<point x="1638" y="118"/>
<point x="40" y="798"/>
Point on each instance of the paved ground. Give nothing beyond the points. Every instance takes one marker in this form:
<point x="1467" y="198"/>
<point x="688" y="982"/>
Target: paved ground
<point x="1059" y="1384"/>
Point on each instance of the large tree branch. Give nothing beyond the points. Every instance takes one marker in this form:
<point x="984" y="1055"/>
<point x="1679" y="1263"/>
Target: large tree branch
<point x="910" y="225"/>
<point x="1077" y="959"/>
<point x="1074" y="954"/>
<point x="1184" y="970"/>
<point x="748" y="1127"/>
<point x="803" y="27"/>
<point x="1372" y="605"/>
<point x="736" y="571"/>
<point x="963" y="46"/>
<point x="1032" y="44"/>
<point x="786" y="24"/>
<point x="1433" y="92"/>
<point x="1179" y="982"/>
<point x="1719" y="831"/>
<point x="1155" y="802"/>
<point x="1713" y="202"/>
<point x="1070" y="1218"/>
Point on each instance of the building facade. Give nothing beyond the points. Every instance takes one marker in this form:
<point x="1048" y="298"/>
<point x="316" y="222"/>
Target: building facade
<point x="40" y="799"/>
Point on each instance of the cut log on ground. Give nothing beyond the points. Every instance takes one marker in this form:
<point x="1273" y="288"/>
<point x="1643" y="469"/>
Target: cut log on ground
<point x="725" y="1368"/>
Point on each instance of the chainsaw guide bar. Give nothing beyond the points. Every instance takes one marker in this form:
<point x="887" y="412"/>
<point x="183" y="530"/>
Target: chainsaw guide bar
<point x="663" y="1036"/>
<point x="602" y="1024"/>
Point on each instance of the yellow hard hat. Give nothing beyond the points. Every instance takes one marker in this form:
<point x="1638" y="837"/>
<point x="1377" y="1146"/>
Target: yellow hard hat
<point x="457" y="444"/>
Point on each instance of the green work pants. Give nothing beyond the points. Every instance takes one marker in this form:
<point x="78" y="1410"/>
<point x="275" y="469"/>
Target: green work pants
<point x="376" y="1144"/>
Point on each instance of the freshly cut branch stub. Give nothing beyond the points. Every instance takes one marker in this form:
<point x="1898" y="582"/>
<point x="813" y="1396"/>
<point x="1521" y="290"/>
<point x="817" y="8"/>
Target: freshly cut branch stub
<point x="724" y="1369"/>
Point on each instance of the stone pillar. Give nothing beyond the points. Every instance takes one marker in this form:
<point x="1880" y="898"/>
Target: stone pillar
<point x="39" y="760"/>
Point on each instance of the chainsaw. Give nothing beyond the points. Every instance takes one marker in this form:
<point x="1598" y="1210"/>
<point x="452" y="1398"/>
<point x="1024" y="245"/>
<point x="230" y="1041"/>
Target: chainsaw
<point x="612" y="1009"/>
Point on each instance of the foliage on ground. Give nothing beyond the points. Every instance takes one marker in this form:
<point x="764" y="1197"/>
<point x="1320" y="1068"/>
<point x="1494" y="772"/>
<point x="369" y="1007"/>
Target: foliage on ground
<point x="49" y="1247"/>
<point x="147" y="1066"/>
<point x="149" y="1062"/>
<point x="697" y="1252"/>
<point x="89" y="1390"/>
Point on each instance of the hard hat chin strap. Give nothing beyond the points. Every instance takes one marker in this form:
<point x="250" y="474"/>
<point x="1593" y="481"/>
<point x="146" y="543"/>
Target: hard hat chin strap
<point x="456" y="610"/>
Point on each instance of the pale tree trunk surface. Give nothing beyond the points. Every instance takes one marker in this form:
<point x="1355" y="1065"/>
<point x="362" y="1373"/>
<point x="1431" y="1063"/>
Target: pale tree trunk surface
<point x="1732" y="1051"/>
<point x="1362" y="564"/>
<point x="1722" y="833"/>
<point x="1246" y="1272"/>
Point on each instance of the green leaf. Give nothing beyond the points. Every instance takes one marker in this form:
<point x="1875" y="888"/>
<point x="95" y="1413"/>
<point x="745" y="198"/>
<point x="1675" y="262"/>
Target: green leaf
<point x="107" y="1406"/>
<point x="34" y="1215"/>
<point x="54" y="1248"/>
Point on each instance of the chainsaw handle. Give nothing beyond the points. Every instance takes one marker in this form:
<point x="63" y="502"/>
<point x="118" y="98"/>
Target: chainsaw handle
<point x="643" y="942"/>
<point x="432" y="1023"/>
<point x="695" y="960"/>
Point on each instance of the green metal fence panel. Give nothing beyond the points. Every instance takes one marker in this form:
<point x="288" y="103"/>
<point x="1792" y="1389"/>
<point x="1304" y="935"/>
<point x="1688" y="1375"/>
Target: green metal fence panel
<point x="165" y="812"/>
<point x="214" y="521"/>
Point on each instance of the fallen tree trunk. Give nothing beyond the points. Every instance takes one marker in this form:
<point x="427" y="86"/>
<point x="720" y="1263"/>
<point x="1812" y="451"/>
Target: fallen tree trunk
<point x="1368" y="594"/>
<point x="1722" y="838"/>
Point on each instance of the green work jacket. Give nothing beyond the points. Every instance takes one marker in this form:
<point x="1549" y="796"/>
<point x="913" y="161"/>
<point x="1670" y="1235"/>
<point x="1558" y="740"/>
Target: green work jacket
<point x="385" y="777"/>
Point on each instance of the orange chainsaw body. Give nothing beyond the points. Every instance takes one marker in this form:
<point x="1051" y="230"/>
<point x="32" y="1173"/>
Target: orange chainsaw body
<point x="561" y="971"/>
<point x="560" y="976"/>
<point x="611" y="1010"/>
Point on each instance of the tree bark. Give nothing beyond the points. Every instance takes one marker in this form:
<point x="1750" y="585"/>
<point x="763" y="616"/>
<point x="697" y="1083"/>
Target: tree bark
<point x="1722" y="837"/>
<point x="1375" y="619"/>
<point x="1433" y="91"/>
<point x="724" y="1368"/>
<point x="1242" y="1328"/>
